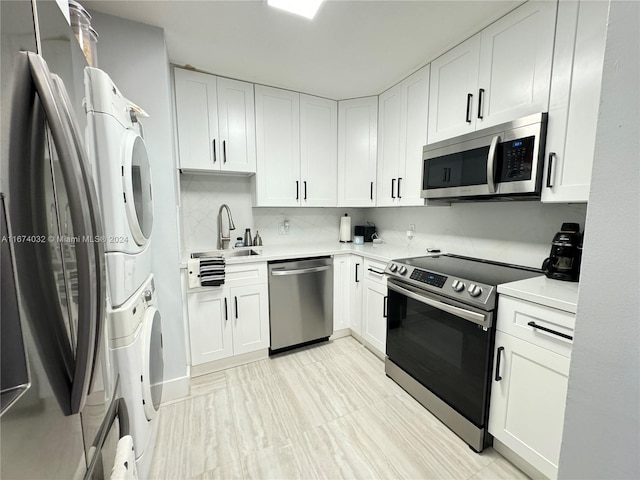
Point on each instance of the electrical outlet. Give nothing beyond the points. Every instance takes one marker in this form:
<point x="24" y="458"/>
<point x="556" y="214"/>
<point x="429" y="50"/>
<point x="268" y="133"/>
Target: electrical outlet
<point x="412" y="231"/>
<point x="412" y="227"/>
<point x="283" y="228"/>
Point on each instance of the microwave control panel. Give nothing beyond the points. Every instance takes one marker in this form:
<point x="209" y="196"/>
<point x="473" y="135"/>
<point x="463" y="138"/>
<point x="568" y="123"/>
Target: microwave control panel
<point x="517" y="159"/>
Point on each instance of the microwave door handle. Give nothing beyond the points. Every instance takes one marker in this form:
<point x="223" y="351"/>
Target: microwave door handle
<point x="445" y="307"/>
<point x="491" y="164"/>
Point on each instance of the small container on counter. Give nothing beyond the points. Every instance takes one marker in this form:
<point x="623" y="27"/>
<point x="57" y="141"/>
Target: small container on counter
<point x="87" y="37"/>
<point x="248" y="242"/>
<point x="257" y="242"/>
<point x="239" y="242"/>
<point x="358" y="240"/>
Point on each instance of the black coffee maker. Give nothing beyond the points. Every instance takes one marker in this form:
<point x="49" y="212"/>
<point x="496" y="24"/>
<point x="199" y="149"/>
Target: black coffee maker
<point x="566" y="253"/>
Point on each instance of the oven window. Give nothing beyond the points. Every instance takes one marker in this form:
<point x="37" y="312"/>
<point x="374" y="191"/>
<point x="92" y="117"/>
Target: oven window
<point x="447" y="354"/>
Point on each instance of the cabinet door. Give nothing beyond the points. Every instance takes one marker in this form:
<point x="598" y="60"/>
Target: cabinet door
<point x="278" y="147"/>
<point x="575" y="98"/>
<point x="414" y="119"/>
<point x="357" y="140"/>
<point x="357" y="286"/>
<point x="318" y="151"/>
<point x="453" y="91"/>
<point x="250" y="316"/>
<point x="528" y="402"/>
<point x="374" y="315"/>
<point x="392" y="105"/>
<point x="197" y="120"/>
<point x="236" y="124"/>
<point x="209" y="326"/>
<point x="341" y="291"/>
<point x="515" y="64"/>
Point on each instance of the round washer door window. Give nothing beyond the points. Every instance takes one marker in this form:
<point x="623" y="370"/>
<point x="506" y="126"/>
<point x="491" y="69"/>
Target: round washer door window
<point x="136" y="178"/>
<point x="153" y="363"/>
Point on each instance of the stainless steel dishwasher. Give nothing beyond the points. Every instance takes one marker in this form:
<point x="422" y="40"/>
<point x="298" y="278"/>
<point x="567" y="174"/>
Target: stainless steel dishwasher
<point x="300" y="301"/>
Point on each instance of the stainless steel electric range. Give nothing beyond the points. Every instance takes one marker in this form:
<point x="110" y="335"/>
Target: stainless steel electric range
<point x="441" y="312"/>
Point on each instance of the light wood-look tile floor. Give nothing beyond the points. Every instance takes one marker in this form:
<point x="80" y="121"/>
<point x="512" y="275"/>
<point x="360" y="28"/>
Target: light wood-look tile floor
<point x="326" y="411"/>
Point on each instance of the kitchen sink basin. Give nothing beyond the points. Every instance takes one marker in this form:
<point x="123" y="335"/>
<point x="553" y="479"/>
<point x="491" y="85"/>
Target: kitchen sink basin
<point x="245" y="252"/>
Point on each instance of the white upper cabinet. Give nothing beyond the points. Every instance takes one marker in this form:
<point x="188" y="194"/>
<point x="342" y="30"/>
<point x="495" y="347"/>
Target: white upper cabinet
<point x="216" y="123"/>
<point x="575" y="99"/>
<point x="501" y="74"/>
<point x="357" y="145"/>
<point x="278" y="147"/>
<point x="318" y="151"/>
<point x="402" y="133"/>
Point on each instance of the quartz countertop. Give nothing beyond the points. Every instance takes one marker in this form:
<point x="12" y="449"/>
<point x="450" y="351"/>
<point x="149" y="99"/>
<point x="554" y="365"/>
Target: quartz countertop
<point x="544" y="291"/>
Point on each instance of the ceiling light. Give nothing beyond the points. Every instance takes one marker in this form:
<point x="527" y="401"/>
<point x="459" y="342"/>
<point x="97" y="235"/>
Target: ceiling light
<point x="306" y="8"/>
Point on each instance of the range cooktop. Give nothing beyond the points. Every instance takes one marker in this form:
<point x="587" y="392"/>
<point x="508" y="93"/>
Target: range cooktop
<point x="469" y="280"/>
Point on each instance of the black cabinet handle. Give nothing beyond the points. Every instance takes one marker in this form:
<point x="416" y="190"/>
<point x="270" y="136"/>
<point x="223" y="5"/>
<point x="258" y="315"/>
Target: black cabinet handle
<point x="480" y="99"/>
<point x="552" y="155"/>
<point x="226" y="313"/>
<point x="214" y="151"/>
<point x="399" y="180"/>
<point x="545" y="329"/>
<point x="305" y="189"/>
<point x="297" y="190"/>
<point x="393" y="186"/>
<point x="224" y="151"/>
<point x="468" y="116"/>
<point x="384" y="307"/>
<point x="377" y="272"/>
<point x="236" y="300"/>
<point x="498" y="358"/>
<point x="371" y="190"/>
<point x="357" y="280"/>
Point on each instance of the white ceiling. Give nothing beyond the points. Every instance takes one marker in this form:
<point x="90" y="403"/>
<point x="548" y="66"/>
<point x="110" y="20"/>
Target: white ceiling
<point x="350" y="49"/>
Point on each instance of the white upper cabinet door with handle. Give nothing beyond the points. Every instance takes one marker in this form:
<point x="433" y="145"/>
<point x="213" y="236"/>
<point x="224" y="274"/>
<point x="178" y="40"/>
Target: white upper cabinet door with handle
<point x="575" y="99"/>
<point x="390" y="134"/>
<point x="318" y="151"/>
<point x="453" y="91"/>
<point x="357" y="146"/>
<point x="278" y="147"/>
<point x="515" y="64"/>
<point x="236" y="126"/>
<point x="197" y="120"/>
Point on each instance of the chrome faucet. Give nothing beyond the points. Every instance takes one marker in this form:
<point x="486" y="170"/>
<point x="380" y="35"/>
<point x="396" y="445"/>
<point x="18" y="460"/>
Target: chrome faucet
<point x="223" y="242"/>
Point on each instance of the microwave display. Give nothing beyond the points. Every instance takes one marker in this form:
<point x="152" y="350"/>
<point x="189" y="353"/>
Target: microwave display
<point x="516" y="160"/>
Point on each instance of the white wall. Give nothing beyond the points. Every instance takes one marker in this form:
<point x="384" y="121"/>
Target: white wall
<point x="602" y="418"/>
<point x="513" y="232"/>
<point x="135" y="57"/>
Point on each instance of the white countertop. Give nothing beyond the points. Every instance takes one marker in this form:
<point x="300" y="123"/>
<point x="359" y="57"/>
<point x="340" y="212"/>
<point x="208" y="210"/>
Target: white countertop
<point x="544" y="291"/>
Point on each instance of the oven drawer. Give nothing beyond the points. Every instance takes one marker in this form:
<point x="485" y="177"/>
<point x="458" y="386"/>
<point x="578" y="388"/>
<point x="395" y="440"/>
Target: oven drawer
<point x="374" y="270"/>
<point x="540" y="325"/>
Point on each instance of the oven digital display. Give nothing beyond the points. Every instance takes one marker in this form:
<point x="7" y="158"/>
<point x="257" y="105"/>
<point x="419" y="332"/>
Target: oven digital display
<point x="428" y="278"/>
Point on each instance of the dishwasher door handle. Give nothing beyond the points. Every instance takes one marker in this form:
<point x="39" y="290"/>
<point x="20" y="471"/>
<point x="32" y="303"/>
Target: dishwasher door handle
<point x="300" y="271"/>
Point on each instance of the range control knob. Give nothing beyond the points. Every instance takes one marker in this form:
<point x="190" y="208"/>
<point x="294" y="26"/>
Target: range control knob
<point x="402" y="270"/>
<point x="393" y="267"/>
<point x="474" y="290"/>
<point x="457" y="285"/>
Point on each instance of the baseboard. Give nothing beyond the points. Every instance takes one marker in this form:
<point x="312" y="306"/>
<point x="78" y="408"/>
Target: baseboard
<point x="230" y="362"/>
<point x="517" y="460"/>
<point x="340" y="334"/>
<point x="175" y="389"/>
<point x="368" y="346"/>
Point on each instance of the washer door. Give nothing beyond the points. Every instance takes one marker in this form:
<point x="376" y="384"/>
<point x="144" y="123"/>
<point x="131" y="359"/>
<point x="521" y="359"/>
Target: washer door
<point x="136" y="179"/>
<point x="153" y="363"/>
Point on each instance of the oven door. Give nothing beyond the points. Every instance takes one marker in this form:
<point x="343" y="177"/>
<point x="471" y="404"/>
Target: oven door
<point x="444" y="345"/>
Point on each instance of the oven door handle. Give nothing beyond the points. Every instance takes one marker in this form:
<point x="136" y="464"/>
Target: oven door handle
<point x="445" y="307"/>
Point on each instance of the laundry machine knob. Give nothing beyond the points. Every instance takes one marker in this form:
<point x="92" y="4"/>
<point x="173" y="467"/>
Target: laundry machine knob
<point x="147" y="295"/>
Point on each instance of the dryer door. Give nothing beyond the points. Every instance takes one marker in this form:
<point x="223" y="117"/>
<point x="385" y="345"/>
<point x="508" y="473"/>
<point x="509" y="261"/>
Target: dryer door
<point x="136" y="178"/>
<point x="153" y="362"/>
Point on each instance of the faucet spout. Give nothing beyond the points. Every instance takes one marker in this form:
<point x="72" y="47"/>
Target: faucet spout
<point x="224" y="240"/>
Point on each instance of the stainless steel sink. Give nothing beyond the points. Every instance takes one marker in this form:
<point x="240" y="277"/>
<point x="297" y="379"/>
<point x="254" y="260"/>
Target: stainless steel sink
<point x="246" y="252"/>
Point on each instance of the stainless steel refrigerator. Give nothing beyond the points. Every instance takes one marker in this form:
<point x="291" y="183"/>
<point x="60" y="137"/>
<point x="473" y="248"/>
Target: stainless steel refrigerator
<point x="61" y="415"/>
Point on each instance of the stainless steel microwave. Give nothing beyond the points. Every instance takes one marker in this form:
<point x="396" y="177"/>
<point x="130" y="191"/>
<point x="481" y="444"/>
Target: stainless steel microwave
<point x="500" y="162"/>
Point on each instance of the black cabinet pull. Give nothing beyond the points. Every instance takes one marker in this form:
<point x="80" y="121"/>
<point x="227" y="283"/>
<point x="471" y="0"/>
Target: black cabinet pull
<point x="305" y="189"/>
<point x="552" y="155"/>
<point x="399" y="180"/>
<point x="377" y="272"/>
<point x="236" y="300"/>
<point x="545" y="329"/>
<point x="480" y="99"/>
<point x="224" y="151"/>
<point x="371" y="190"/>
<point x="393" y="186"/>
<point x="498" y="357"/>
<point x="297" y="190"/>
<point x="226" y="313"/>
<point x="384" y="307"/>
<point x="357" y="280"/>
<point x="468" y="116"/>
<point x="214" y="151"/>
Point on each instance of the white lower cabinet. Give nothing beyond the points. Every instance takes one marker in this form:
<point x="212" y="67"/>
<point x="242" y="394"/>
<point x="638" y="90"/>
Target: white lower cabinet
<point x="341" y="291"/>
<point x="374" y="306"/>
<point x="357" y="287"/>
<point x="232" y="319"/>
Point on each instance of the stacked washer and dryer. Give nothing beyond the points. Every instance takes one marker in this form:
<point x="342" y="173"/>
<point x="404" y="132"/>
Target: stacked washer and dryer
<point x="122" y="173"/>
